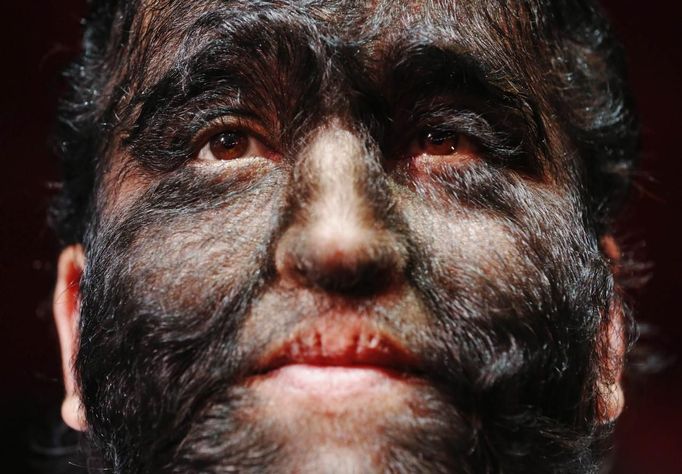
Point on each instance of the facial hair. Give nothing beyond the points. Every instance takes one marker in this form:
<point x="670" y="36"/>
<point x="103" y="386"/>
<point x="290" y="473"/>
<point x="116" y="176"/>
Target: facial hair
<point x="170" y="282"/>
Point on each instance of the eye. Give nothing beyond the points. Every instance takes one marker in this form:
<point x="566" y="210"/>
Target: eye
<point x="432" y="147"/>
<point x="438" y="143"/>
<point x="230" y="145"/>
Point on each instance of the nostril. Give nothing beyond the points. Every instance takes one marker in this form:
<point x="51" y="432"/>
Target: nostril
<point x="355" y="262"/>
<point x="358" y="274"/>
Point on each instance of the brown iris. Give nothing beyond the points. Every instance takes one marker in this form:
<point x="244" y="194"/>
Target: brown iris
<point x="439" y="143"/>
<point x="229" y="145"/>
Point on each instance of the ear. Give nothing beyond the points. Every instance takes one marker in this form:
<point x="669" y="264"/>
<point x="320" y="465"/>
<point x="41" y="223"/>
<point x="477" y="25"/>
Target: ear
<point x="66" y="309"/>
<point x="612" y="346"/>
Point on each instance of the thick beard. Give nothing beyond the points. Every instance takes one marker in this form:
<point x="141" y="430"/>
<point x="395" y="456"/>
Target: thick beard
<point x="512" y="380"/>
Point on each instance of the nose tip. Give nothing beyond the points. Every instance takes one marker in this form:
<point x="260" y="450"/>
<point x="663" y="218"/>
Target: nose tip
<point x="346" y="260"/>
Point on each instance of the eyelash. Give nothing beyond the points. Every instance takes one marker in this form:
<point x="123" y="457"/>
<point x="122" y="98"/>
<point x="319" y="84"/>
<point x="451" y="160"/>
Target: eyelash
<point x="244" y="125"/>
<point x="491" y="142"/>
<point x="221" y="125"/>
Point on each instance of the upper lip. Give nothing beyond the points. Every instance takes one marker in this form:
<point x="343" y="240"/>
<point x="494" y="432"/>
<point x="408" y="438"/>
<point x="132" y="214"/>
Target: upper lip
<point x="349" y="342"/>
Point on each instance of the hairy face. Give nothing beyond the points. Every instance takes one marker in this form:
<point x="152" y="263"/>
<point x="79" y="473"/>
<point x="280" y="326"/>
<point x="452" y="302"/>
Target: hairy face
<point x="340" y="238"/>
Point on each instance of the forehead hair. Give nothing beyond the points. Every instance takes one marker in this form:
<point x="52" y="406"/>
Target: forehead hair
<point x="555" y="62"/>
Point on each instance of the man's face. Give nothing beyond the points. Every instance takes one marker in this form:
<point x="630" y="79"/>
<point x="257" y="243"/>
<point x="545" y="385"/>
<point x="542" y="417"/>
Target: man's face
<point x="339" y="239"/>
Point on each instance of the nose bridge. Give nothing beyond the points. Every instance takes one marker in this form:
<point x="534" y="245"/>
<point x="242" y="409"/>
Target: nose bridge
<point x="338" y="239"/>
<point x="337" y="170"/>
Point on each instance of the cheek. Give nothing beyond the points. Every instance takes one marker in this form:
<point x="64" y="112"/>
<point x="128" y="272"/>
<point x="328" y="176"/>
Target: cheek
<point x="194" y="259"/>
<point x="464" y="243"/>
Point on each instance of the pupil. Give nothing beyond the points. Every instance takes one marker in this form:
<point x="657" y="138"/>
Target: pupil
<point x="228" y="140"/>
<point x="437" y="138"/>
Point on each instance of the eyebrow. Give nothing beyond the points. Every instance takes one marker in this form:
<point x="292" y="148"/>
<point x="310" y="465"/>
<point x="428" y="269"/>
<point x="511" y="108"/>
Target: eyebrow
<point x="425" y="64"/>
<point x="459" y="79"/>
<point x="227" y="62"/>
<point x="209" y="69"/>
<point x="429" y="67"/>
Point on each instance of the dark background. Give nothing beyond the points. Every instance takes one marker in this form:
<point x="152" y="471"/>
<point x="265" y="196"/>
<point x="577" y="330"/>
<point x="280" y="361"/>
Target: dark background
<point x="39" y="37"/>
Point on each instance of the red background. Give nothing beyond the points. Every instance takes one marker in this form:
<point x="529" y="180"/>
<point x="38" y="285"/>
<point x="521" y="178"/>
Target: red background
<point x="39" y="37"/>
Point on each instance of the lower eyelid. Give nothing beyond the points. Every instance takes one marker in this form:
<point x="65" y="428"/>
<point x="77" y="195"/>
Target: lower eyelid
<point x="426" y="163"/>
<point x="420" y="164"/>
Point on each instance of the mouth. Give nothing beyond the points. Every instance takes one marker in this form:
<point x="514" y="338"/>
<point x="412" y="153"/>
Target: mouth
<point x="333" y="359"/>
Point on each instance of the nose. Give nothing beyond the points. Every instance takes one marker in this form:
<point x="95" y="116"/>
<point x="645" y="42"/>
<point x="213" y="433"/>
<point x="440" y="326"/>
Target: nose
<point x="339" y="239"/>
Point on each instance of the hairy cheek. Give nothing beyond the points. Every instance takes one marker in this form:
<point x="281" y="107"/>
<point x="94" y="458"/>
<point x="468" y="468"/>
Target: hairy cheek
<point x="196" y="259"/>
<point x="463" y="243"/>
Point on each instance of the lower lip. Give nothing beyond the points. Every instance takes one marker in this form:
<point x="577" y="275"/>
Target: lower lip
<point x="327" y="381"/>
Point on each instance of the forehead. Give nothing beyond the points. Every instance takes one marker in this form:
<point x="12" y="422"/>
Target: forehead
<point x="166" y="32"/>
<point x="350" y="19"/>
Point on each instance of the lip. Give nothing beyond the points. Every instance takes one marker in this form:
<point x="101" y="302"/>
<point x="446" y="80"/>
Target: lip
<point x="342" y="359"/>
<point x="349" y="343"/>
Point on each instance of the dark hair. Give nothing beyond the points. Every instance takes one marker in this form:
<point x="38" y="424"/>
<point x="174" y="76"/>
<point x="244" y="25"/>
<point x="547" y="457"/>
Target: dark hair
<point x="587" y="75"/>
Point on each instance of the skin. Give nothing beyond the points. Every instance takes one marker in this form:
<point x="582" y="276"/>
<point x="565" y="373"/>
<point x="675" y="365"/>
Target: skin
<point x="362" y="232"/>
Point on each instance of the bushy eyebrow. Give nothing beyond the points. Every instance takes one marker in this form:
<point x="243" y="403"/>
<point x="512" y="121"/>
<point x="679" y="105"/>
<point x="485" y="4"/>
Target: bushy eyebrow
<point x="426" y="74"/>
<point x="259" y="65"/>
<point x="232" y="44"/>
<point x="423" y="61"/>
<point x="211" y="69"/>
<point x="428" y="68"/>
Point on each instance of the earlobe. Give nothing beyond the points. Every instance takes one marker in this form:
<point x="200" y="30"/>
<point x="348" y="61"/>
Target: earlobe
<point x="612" y="347"/>
<point x="609" y="385"/>
<point x="66" y="309"/>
